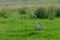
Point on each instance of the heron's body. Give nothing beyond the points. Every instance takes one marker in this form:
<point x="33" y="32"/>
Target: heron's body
<point x="39" y="26"/>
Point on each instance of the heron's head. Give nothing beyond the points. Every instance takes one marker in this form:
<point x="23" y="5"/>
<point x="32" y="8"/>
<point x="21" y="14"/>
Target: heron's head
<point x="34" y="15"/>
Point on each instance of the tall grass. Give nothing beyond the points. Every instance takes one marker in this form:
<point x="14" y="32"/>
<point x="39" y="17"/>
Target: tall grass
<point x="22" y="11"/>
<point x="41" y="12"/>
<point x="58" y="12"/>
<point x="50" y="13"/>
<point x="4" y="13"/>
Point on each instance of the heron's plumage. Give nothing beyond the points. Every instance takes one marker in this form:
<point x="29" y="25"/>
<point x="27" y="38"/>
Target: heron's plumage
<point x="39" y="26"/>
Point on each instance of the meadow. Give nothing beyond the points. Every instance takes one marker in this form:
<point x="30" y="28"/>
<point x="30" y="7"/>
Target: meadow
<point x="20" y="25"/>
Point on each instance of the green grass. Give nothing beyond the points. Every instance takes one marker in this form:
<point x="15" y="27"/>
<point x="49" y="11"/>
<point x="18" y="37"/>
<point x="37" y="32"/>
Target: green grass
<point x="21" y="27"/>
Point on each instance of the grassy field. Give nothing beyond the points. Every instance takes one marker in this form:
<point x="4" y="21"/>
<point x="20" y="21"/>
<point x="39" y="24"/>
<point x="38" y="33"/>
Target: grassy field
<point x="22" y="27"/>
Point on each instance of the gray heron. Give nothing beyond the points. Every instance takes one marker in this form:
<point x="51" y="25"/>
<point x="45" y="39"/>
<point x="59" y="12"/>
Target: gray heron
<point x="38" y="25"/>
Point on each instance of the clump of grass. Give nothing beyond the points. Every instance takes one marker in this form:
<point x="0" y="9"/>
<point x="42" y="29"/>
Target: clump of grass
<point x="22" y="11"/>
<point x="51" y="13"/>
<point x="58" y="12"/>
<point x="4" y="13"/>
<point x="41" y="13"/>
